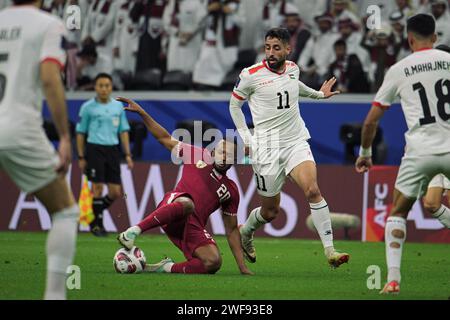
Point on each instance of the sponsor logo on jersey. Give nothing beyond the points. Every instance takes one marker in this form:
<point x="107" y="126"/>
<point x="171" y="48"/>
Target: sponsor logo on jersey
<point x="265" y="83"/>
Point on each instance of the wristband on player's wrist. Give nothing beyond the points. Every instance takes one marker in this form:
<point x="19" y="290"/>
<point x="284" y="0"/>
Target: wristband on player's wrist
<point x="365" y="152"/>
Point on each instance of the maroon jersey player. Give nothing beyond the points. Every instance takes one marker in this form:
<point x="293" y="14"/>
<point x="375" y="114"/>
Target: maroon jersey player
<point x="183" y="213"/>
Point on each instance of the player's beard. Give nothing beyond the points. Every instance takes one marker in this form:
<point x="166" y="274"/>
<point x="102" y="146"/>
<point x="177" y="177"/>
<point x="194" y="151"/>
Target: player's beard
<point x="276" y="65"/>
<point x="222" y="169"/>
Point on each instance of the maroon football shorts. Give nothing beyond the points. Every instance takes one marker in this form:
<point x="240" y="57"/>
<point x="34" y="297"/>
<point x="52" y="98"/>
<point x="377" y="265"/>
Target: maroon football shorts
<point x="187" y="234"/>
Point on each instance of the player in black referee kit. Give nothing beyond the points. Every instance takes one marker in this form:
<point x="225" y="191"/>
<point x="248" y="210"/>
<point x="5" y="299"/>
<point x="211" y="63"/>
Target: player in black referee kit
<point x="103" y="120"/>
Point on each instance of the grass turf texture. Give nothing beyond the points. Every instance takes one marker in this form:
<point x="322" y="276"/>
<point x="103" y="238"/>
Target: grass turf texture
<point x="286" y="269"/>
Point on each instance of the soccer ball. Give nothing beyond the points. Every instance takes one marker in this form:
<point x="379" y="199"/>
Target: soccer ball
<point x="129" y="261"/>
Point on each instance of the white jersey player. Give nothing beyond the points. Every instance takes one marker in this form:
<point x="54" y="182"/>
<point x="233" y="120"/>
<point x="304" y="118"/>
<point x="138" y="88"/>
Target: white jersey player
<point x="31" y="58"/>
<point x="279" y="145"/>
<point x="422" y="81"/>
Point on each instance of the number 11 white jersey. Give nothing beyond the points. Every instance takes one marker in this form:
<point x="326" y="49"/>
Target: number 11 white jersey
<point x="422" y="81"/>
<point x="273" y="101"/>
<point x="28" y="36"/>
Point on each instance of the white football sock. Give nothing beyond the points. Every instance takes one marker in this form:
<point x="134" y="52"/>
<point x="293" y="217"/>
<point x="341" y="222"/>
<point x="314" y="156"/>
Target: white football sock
<point x="61" y="242"/>
<point x="394" y="246"/>
<point x="168" y="267"/>
<point x="443" y="215"/>
<point x="320" y="215"/>
<point x="254" y="221"/>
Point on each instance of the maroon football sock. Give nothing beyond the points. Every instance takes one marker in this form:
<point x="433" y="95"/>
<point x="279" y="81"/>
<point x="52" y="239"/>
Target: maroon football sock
<point x="192" y="266"/>
<point x="162" y="216"/>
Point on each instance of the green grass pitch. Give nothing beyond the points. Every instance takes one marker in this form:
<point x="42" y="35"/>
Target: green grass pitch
<point x="286" y="269"/>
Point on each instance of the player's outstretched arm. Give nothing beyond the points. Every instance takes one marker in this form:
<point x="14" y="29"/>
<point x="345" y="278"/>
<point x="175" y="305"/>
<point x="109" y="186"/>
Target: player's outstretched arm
<point x="154" y="127"/>
<point x="239" y="120"/>
<point x="364" y="161"/>
<point x="325" y="91"/>
<point x="54" y="93"/>
<point x="234" y="241"/>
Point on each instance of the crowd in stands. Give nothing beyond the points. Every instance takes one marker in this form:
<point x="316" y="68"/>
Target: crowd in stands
<point x="203" y="44"/>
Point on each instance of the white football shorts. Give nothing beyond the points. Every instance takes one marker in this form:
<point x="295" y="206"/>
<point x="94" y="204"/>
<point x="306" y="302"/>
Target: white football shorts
<point x="416" y="172"/>
<point x="440" y="181"/>
<point x="272" y="166"/>
<point x="32" y="167"/>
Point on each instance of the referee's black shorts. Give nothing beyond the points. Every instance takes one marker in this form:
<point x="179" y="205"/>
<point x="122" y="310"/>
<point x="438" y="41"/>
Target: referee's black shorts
<point x="103" y="163"/>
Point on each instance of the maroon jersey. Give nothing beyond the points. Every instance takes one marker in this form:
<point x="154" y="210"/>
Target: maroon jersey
<point x="209" y="189"/>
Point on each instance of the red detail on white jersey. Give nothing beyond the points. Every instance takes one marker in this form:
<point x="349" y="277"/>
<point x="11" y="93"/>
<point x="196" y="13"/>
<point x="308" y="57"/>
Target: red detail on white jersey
<point x="237" y="96"/>
<point x="423" y="49"/>
<point x="255" y="69"/>
<point x="377" y="104"/>
<point x="54" y="60"/>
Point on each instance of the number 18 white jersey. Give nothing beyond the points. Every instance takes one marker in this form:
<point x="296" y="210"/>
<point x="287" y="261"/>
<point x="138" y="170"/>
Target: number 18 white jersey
<point x="273" y="101"/>
<point x="28" y="36"/>
<point x="422" y="81"/>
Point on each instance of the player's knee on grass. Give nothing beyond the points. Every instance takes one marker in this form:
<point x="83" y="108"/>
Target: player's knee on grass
<point x="212" y="263"/>
<point x="188" y="205"/>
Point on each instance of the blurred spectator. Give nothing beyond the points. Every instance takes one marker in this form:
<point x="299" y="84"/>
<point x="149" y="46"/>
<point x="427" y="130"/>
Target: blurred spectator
<point x="144" y="35"/>
<point x="273" y="15"/>
<point x="441" y="13"/>
<point x="74" y="34"/>
<point x="184" y="21"/>
<point x="55" y="7"/>
<point x="347" y="69"/>
<point x="299" y="34"/>
<point x="89" y="64"/>
<point x="382" y="52"/>
<point x="401" y="46"/>
<point x="405" y="7"/>
<point x="98" y="27"/>
<point x="353" y="39"/>
<point x="125" y="40"/>
<point x="422" y="6"/>
<point x="220" y="46"/>
<point x="318" y="53"/>
<point x="340" y="10"/>
<point x="148" y="14"/>
<point x="249" y="23"/>
<point x="309" y="9"/>
<point x="73" y="43"/>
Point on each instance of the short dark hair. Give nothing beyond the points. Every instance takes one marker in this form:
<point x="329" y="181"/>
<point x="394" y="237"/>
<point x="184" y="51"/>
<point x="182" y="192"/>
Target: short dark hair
<point x="88" y="50"/>
<point x="281" y="34"/>
<point x="421" y="24"/>
<point x="340" y="43"/>
<point x="103" y="75"/>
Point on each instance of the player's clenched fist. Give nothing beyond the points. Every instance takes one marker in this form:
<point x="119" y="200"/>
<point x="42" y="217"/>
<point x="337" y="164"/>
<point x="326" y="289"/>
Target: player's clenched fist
<point x="363" y="164"/>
